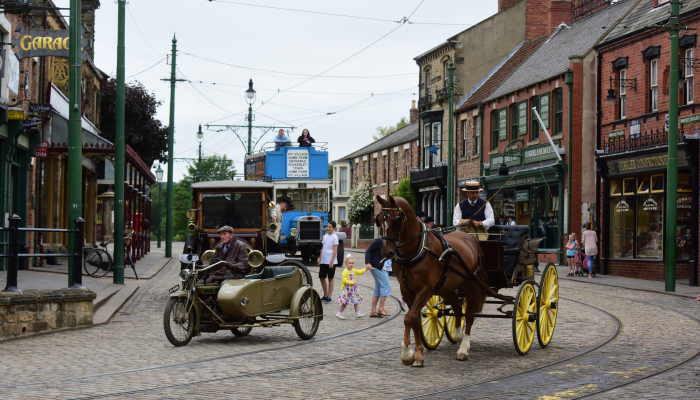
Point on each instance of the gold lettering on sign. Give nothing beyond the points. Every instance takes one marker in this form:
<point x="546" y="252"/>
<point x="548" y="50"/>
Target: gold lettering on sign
<point x="649" y="162"/>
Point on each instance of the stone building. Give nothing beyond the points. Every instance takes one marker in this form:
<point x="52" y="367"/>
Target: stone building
<point x="387" y="161"/>
<point x="632" y="146"/>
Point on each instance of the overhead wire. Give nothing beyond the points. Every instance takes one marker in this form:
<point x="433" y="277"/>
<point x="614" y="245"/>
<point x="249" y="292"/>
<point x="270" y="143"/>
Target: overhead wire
<point x="304" y="11"/>
<point x="128" y="8"/>
<point x="152" y="66"/>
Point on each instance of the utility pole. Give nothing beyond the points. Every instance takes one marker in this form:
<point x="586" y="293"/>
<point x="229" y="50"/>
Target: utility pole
<point x="250" y="125"/>
<point x="119" y="149"/>
<point x="450" y="141"/>
<point x="200" y="136"/>
<point x="674" y="27"/>
<point x="75" y="129"/>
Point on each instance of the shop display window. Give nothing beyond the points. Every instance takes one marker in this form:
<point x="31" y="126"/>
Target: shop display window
<point x="616" y="187"/>
<point x="683" y="225"/>
<point x="650" y="222"/>
<point x="628" y="186"/>
<point x="622" y="227"/>
<point x="643" y="184"/>
<point x="657" y="183"/>
<point x="684" y="184"/>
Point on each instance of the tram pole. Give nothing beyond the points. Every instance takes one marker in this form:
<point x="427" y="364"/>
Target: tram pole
<point x="171" y="164"/>
<point x="75" y="129"/>
<point x="119" y="148"/>
<point x="450" y="141"/>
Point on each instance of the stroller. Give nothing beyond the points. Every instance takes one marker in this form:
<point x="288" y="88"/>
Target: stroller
<point x="581" y="264"/>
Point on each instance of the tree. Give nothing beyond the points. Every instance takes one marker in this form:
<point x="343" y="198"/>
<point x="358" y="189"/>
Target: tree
<point x="142" y="131"/>
<point x="388" y="130"/>
<point x="361" y="203"/>
<point x="404" y="189"/>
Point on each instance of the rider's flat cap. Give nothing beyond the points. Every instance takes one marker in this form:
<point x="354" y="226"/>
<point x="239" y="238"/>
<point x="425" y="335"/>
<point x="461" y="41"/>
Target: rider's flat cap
<point x="225" y="228"/>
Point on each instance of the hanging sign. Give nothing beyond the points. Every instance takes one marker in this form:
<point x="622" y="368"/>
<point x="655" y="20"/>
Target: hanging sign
<point x="32" y="123"/>
<point x="44" y="42"/>
<point x="15" y="113"/>
<point x="41" y="149"/>
<point x="522" y="195"/>
<point x="297" y="164"/>
<point x="40" y="108"/>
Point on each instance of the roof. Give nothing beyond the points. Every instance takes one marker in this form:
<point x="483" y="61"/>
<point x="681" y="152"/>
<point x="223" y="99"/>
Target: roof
<point x="644" y="16"/>
<point x="403" y="135"/>
<point x="500" y="73"/>
<point x="438" y="47"/>
<point x="232" y="185"/>
<point x="552" y="57"/>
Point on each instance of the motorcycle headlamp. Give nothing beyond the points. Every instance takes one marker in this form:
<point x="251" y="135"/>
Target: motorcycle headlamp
<point x="293" y="232"/>
<point x="185" y="274"/>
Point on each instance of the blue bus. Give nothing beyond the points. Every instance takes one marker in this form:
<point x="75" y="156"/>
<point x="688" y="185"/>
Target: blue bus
<point x="300" y="174"/>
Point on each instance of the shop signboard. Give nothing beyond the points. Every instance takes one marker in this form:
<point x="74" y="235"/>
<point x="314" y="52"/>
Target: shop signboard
<point x="522" y="195"/>
<point x="619" y="134"/>
<point x="497" y="182"/>
<point x="539" y="153"/>
<point x="644" y="163"/>
<point x="522" y="118"/>
<point x="44" y="42"/>
<point x="544" y="109"/>
<point x="32" y="123"/>
<point x="40" y="108"/>
<point x="41" y="149"/>
<point x="15" y="113"/>
<point x="13" y="72"/>
<point x="502" y="124"/>
<point x="635" y="129"/>
<point x="509" y="159"/>
<point x="690" y="119"/>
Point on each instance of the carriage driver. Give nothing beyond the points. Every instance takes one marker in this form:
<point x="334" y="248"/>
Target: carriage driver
<point x="233" y="253"/>
<point x="474" y="212"/>
<point x="274" y="214"/>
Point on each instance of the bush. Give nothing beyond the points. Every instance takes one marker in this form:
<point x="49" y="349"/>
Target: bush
<point x="404" y="189"/>
<point x="361" y="203"/>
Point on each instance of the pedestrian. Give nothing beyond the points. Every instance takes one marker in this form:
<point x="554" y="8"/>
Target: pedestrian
<point x="500" y="221"/>
<point x="511" y="220"/>
<point x="571" y="248"/>
<point x="305" y="139"/>
<point x="328" y="261"/>
<point x="382" y="286"/>
<point x="281" y="140"/>
<point x="589" y="241"/>
<point x="350" y="291"/>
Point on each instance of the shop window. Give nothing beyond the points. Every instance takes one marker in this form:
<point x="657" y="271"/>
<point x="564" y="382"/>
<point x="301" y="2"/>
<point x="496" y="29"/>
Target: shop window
<point x="628" y="186"/>
<point x="643" y="184"/>
<point x="622" y="227"/>
<point x="688" y="75"/>
<point x="534" y="124"/>
<point x="683" y="225"/>
<point x="657" y="183"/>
<point x="684" y="183"/>
<point x="616" y="187"/>
<point x="650" y="221"/>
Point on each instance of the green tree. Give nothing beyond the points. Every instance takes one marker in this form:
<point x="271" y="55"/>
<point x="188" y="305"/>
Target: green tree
<point x="383" y="131"/>
<point x="361" y="203"/>
<point x="404" y="189"/>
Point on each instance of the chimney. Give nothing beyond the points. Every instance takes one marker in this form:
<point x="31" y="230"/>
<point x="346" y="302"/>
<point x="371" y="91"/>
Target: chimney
<point x="503" y="4"/>
<point x="88" y="18"/>
<point x="413" y="113"/>
<point x="544" y="16"/>
<point x="559" y="12"/>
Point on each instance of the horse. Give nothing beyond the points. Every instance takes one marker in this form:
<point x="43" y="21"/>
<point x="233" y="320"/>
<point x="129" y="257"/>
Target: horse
<point x="416" y="254"/>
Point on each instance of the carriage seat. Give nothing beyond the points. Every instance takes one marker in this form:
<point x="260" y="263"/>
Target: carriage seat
<point x="512" y="239"/>
<point x="273" y="272"/>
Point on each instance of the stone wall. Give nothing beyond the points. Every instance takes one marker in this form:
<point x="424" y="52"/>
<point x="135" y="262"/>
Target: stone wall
<point x="40" y="311"/>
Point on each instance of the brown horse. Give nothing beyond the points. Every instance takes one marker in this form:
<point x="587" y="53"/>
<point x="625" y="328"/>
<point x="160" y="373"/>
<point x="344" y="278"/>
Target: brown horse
<point x="415" y="252"/>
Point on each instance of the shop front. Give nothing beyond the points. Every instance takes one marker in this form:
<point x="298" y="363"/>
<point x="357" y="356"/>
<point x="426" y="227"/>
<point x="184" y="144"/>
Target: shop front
<point x="532" y="194"/>
<point x="634" y="214"/>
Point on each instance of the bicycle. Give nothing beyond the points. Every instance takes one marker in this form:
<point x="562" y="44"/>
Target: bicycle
<point x="98" y="261"/>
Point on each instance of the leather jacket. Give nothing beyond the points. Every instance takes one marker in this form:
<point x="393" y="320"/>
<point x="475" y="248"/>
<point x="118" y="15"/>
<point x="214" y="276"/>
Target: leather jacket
<point x="236" y="259"/>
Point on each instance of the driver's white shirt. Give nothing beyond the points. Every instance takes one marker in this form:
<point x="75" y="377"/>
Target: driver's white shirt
<point x="488" y="212"/>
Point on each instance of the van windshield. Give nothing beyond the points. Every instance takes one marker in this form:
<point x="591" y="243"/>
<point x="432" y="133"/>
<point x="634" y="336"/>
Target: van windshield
<point x="238" y="210"/>
<point x="306" y="199"/>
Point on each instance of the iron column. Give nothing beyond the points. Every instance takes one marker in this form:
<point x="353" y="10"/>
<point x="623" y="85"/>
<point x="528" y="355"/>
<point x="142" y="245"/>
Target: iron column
<point x="450" y="141"/>
<point x="569" y="79"/>
<point x="75" y="130"/>
<point x="171" y="145"/>
<point x="119" y="149"/>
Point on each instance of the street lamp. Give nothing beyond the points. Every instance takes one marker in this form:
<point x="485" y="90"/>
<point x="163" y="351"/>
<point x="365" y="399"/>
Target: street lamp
<point x="159" y="177"/>
<point x="250" y="98"/>
<point x="611" y="97"/>
<point x="200" y="135"/>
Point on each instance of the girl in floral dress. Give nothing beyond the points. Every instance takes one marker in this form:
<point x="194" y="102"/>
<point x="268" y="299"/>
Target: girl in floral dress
<point x="349" y="291"/>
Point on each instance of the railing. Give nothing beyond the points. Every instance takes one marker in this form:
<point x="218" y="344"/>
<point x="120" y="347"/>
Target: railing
<point x="272" y="146"/>
<point x="441" y="93"/>
<point x="645" y="141"/>
<point x="366" y="232"/>
<point x="14" y="255"/>
<point x="438" y="172"/>
<point x="425" y="100"/>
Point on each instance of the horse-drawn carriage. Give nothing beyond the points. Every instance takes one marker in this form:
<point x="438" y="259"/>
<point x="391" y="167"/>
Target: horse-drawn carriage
<point x="446" y="277"/>
<point x="509" y="260"/>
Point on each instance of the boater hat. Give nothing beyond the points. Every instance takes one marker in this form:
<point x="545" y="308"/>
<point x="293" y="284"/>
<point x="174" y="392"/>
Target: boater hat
<point x="472" y="187"/>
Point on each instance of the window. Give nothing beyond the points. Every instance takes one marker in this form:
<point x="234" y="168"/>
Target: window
<point x="494" y="129"/>
<point x="534" y="124"/>
<point x="653" y="85"/>
<point x="558" y="112"/>
<point x="426" y="146"/>
<point x="343" y="178"/>
<point x="437" y="141"/>
<point x="241" y="210"/>
<point x="365" y="171"/>
<point x="342" y="214"/>
<point x="688" y="84"/>
<point x="374" y="171"/>
<point x="427" y="82"/>
<point x="650" y="221"/>
<point x="622" y="87"/>
<point x="514" y="121"/>
<point x="445" y="67"/>
<point x="622" y="227"/>
<point x="477" y="136"/>
<point x="305" y="199"/>
<point x="661" y="2"/>
<point x="385" y="168"/>
<point x="465" y="124"/>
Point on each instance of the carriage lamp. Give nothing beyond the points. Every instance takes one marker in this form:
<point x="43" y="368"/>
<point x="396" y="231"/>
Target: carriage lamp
<point x="293" y="232"/>
<point x="185" y="274"/>
<point x="250" y="93"/>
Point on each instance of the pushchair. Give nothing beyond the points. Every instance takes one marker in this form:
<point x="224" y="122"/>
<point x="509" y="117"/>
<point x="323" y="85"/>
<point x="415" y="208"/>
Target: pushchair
<point x="581" y="264"/>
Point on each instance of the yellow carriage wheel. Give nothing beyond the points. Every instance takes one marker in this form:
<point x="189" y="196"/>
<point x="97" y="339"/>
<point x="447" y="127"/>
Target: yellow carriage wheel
<point x="524" y="317"/>
<point x="548" y="303"/>
<point x="451" y="322"/>
<point x="432" y="326"/>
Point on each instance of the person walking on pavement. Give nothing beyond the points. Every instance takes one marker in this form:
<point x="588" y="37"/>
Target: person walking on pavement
<point x="382" y="286"/>
<point x="475" y="214"/>
<point x="328" y="261"/>
<point x="589" y="241"/>
<point x="571" y="249"/>
<point x="350" y="291"/>
<point x="233" y="253"/>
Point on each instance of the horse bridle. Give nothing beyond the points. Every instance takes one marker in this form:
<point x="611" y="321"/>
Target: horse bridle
<point x="400" y="218"/>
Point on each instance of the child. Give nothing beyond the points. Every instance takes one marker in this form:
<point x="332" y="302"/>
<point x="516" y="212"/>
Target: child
<point x="327" y="261"/>
<point x="349" y="291"/>
<point x="571" y="248"/>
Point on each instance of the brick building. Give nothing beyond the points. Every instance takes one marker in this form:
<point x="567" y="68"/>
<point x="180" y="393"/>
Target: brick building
<point x="633" y="134"/>
<point x="536" y="189"/>
<point x="387" y="161"/>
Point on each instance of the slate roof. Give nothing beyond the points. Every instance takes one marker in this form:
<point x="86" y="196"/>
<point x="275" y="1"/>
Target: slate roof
<point x="403" y="135"/>
<point x="500" y="73"/>
<point x="552" y="57"/>
<point x="644" y="16"/>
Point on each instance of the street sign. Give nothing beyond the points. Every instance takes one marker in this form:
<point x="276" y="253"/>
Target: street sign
<point x="15" y="113"/>
<point x="522" y="195"/>
<point x="32" y="123"/>
<point x="40" y="108"/>
<point x="41" y="149"/>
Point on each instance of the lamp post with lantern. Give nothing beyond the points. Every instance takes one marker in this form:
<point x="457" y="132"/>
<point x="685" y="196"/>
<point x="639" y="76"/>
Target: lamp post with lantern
<point x="159" y="178"/>
<point x="200" y="136"/>
<point x="250" y="98"/>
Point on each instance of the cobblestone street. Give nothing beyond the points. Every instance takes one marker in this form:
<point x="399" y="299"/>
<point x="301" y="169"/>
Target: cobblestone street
<point x="605" y="337"/>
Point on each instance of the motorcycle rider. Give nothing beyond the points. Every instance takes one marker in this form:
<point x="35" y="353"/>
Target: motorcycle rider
<point x="233" y="253"/>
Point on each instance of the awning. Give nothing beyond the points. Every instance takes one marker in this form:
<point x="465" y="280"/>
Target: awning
<point x="58" y="135"/>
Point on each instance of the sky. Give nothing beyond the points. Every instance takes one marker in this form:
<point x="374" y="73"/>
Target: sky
<point x="339" y="76"/>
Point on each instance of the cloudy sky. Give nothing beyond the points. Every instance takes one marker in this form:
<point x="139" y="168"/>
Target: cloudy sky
<point x="304" y="62"/>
